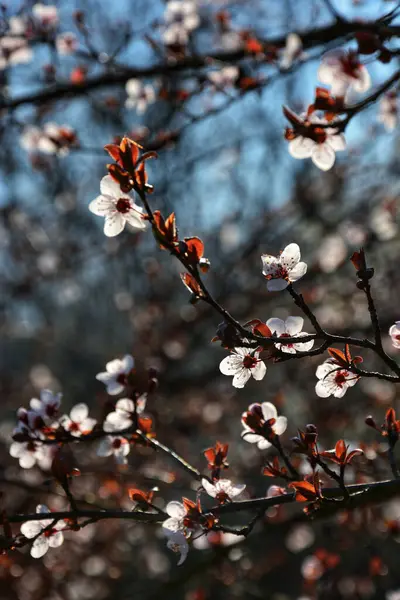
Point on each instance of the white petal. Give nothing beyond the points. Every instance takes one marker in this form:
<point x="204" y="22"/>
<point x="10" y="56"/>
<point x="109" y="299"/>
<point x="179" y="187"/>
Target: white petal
<point x="114" y="388"/>
<point x="280" y="425"/>
<point x="231" y="364"/>
<point x="134" y="218"/>
<point x="363" y="81"/>
<point x="110" y="187"/>
<point x="270" y="264"/>
<point x="340" y="391"/>
<point x="105" y="447"/>
<point x="269" y="411"/>
<point x="277" y="285"/>
<point x="27" y="460"/>
<point x="31" y="528"/>
<point x="125" y="405"/>
<point x="252" y="438"/>
<point x="40" y="547"/>
<point x="209" y="487"/>
<point x="290" y="256"/>
<point x="236" y="490"/>
<point x="337" y="141"/>
<point x="172" y="525"/>
<point x="115" y="366"/>
<point x="324" y="369"/>
<point x="264" y="444"/>
<point x="305" y="346"/>
<point x="56" y="539"/>
<point x="176" y="510"/>
<point x="301" y="147"/>
<point x="326" y="73"/>
<point x="294" y="325"/>
<point x="241" y="378"/>
<point x="259" y="371"/>
<point x="87" y="425"/>
<point x="298" y="271"/>
<point x="102" y="206"/>
<point x="322" y="390"/>
<point x="276" y="325"/>
<point x="17" y="449"/>
<point x="113" y="224"/>
<point x="133" y="87"/>
<point x="323" y="156"/>
<point x="127" y="363"/>
<point x="79" y="412"/>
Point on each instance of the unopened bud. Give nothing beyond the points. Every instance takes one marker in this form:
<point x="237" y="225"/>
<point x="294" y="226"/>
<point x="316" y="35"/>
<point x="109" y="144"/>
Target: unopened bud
<point x="371" y="422"/>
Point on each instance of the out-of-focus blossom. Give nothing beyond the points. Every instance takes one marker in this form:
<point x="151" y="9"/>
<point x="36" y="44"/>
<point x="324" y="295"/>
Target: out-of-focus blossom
<point x="115" y="377"/>
<point x="139" y="95"/>
<point x="333" y="380"/>
<point x="222" y="490"/>
<point x="281" y="270"/>
<point x="332" y="252"/>
<point x="243" y="365"/>
<point x="292" y="327"/>
<point x="14" y="51"/>
<point x="177" y="516"/>
<point x="31" y="453"/>
<point x="51" y="538"/>
<point x="46" y="16"/>
<point x="78" y="422"/>
<point x="177" y="542"/>
<point x="114" y="446"/>
<point x="66" y="43"/>
<point x="383" y="221"/>
<point x="388" y="111"/>
<point x="117" y="208"/>
<point x="181" y="17"/>
<point x="292" y="51"/>
<point x="56" y="139"/>
<point x="48" y="405"/>
<point x="342" y="70"/>
<point x="224" y="78"/>
<point x="261" y="423"/>
<point x="394" y="333"/>
<point x="122" y="417"/>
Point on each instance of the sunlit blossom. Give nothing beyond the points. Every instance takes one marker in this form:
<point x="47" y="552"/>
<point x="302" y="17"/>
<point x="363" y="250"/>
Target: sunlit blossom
<point x="243" y="364"/>
<point x="50" y="538"/>
<point x="333" y="380"/>
<point x="292" y="327"/>
<point x="115" y="377"/>
<point x="342" y="70"/>
<point x="78" y="422"/>
<point x="261" y="423"/>
<point x="223" y="490"/>
<point x="284" y="269"/>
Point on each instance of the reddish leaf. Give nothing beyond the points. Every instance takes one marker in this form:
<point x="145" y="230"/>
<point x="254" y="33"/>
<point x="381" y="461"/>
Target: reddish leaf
<point x="191" y="284"/>
<point x="259" y="328"/>
<point x="305" y="491"/>
<point x="340" y="450"/>
<point x="338" y="356"/>
<point x="194" y="249"/>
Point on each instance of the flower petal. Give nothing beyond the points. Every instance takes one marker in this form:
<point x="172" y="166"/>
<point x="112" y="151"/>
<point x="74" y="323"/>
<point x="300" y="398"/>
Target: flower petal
<point x="280" y="425"/>
<point x="276" y="325"/>
<point x="298" y="271"/>
<point x="259" y="371"/>
<point x="110" y="187"/>
<point x="176" y="510"/>
<point x="269" y="411"/>
<point x="323" y="157"/>
<point x="290" y="256"/>
<point x="79" y="412"/>
<point x="230" y="364"/>
<point x="209" y="487"/>
<point x="241" y="378"/>
<point x="301" y="147"/>
<point x="294" y="325"/>
<point x="113" y="224"/>
<point x="102" y="206"/>
<point x="39" y="547"/>
<point x="277" y="285"/>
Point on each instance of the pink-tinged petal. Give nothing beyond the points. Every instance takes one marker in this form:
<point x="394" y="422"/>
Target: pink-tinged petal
<point x="290" y="256"/>
<point x="56" y="539"/>
<point x="31" y="528"/>
<point x="322" y="390"/>
<point x="351" y="380"/>
<point x="110" y="187"/>
<point x="294" y="325"/>
<point x="252" y="438"/>
<point x="280" y="425"/>
<point x="105" y="447"/>
<point x="323" y="157"/>
<point x="269" y="411"/>
<point x="277" y="285"/>
<point x="40" y="547"/>
<point x="17" y="449"/>
<point x="79" y="412"/>
<point x="258" y="372"/>
<point x="127" y="363"/>
<point x="263" y="444"/>
<point x="337" y="142"/>
<point x="298" y="271"/>
<point x="176" y="510"/>
<point x="230" y="364"/>
<point x="276" y="325"/>
<point x="241" y="378"/>
<point x="172" y="525"/>
<point x="339" y="86"/>
<point x="209" y="487"/>
<point x="289" y="349"/>
<point x="301" y="147"/>
<point x="102" y="206"/>
<point x="363" y="81"/>
<point x="87" y="425"/>
<point x="114" y="388"/>
<point x="113" y="224"/>
<point x="270" y="264"/>
<point x="133" y="87"/>
<point x="135" y="219"/>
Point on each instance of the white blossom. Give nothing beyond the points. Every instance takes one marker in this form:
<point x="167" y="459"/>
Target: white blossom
<point x="225" y="77"/>
<point x="394" y="333"/>
<point x="139" y="95"/>
<point x="223" y="489"/>
<point x="66" y="43"/>
<point x="292" y="327"/>
<point x="13" y="51"/>
<point x="283" y="269"/>
<point x="388" y="111"/>
<point x="46" y="16"/>
<point x="177" y="542"/>
<point x="78" y="422"/>
<point x="115" y="375"/>
<point x="48" y="405"/>
<point x="181" y="17"/>
<point x="343" y="71"/>
<point x="242" y="365"/>
<point x="122" y="417"/>
<point x="117" y="208"/>
<point x="31" y="453"/>
<point x="114" y="446"/>
<point x="261" y="421"/>
<point x="177" y="513"/>
<point x="333" y="380"/>
<point x="292" y="51"/>
<point x="51" y="538"/>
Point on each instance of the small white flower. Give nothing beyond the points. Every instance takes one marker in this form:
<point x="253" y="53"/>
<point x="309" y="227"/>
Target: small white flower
<point x="224" y="78"/>
<point x="48" y="405"/>
<point x="321" y="145"/>
<point x="78" y="422"/>
<point x="293" y="51"/>
<point x="52" y="538"/>
<point x="139" y="95"/>
<point x="117" y="207"/>
<point x="242" y="365"/>
<point x="30" y="137"/>
<point x="115" y="375"/>
<point x="31" y="453"/>
<point x="223" y="489"/>
<point x="283" y="269"/>
<point x="389" y="111"/>
<point x="46" y="16"/>
<point x="114" y="446"/>
<point x="342" y="70"/>
<point x="177" y="514"/>
<point x="182" y="13"/>
<point x="292" y="327"/>
<point x="66" y="43"/>
<point x="333" y="380"/>
<point x="394" y="333"/>
<point x="122" y="417"/>
<point x="261" y="421"/>
<point x="14" y="51"/>
<point x="177" y="542"/>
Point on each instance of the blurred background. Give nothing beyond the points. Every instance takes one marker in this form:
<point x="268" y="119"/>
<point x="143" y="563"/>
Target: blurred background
<point x="72" y="299"/>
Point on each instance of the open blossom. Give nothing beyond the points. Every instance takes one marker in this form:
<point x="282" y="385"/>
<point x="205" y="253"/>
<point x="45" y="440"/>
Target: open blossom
<point x="78" y="422"/>
<point x="115" y="377"/>
<point x="14" y="50"/>
<point x="394" y="333"/>
<point x="181" y="18"/>
<point x="261" y="423"/>
<point x="51" y="538"/>
<point x="122" y="417"/>
<point x="292" y="327"/>
<point x="388" y="111"/>
<point x="114" y="446"/>
<point x="284" y="269"/>
<point x="117" y="208"/>
<point x="242" y="365"/>
<point x="66" y="43"/>
<point x="139" y="95"/>
<point x="179" y="519"/>
<point x="316" y="141"/>
<point x="46" y="16"/>
<point x="177" y="542"/>
<point x="342" y="70"/>
<point x="292" y="51"/>
<point x="225" y="77"/>
<point x="31" y="453"/>
<point x="47" y="406"/>
<point x="222" y="490"/>
<point x="333" y="380"/>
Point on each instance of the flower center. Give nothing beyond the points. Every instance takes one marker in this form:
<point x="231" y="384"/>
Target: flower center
<point x="117" y="443"/>
<point x="249" y="362"/>
<point x="123" y="205"/>
<point x="340" y="378"/>
<point x="74" y="426"/>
